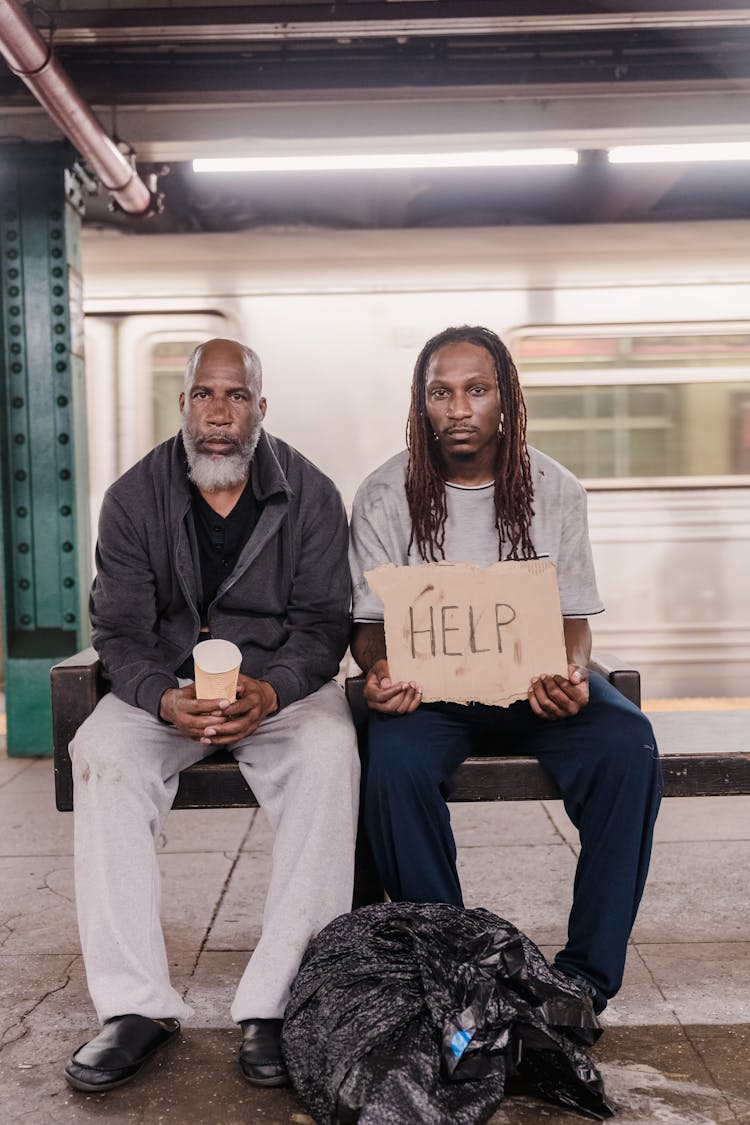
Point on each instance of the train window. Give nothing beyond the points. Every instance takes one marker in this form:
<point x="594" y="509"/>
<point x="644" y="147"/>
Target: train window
<point x="639" y="405"/>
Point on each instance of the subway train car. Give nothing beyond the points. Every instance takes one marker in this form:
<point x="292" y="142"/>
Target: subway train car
<point x="633" y="345"/>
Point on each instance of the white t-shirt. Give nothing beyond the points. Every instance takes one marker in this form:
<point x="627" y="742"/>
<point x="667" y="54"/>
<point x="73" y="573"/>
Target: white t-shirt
<point x="381" y="529"/>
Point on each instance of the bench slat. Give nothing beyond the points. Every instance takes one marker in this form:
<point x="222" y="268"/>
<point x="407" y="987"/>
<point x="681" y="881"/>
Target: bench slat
<point x="215" y="783"/>
<point x="524" y="779"/>
<point x="706" y="775"/>
<point x="219" y="783"/>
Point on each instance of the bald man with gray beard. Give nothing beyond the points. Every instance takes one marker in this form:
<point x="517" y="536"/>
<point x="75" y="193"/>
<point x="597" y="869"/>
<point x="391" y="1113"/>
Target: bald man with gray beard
<point x="222" y="531"/>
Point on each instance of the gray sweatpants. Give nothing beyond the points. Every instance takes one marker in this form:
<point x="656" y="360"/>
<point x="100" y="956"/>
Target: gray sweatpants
<point x="302" y="766"/>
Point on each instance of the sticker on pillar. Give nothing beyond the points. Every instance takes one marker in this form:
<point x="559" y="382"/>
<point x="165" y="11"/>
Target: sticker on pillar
<point x="471" y="634"/>
<point x="75" y="300"/>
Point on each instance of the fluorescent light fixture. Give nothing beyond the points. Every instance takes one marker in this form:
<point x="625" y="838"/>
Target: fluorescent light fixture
<point x="379" y="161"/>
<point x="679" y="154"/>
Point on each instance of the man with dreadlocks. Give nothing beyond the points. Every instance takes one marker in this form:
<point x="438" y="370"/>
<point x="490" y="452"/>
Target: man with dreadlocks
<point x="469" y="489"/>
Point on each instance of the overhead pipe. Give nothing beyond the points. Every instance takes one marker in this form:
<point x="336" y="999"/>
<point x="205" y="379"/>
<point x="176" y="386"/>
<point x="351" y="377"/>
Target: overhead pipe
<point x="34" y="62"/>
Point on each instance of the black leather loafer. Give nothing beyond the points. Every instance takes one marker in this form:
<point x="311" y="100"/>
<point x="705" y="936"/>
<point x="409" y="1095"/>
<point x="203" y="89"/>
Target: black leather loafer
<point x="260" y="1053"/>
<point x="118" y="1052"/>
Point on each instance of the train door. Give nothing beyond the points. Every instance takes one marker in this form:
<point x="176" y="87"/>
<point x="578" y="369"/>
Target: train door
<point x="134" y="375"/>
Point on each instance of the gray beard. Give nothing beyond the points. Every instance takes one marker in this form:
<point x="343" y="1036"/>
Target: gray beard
<point x="210" y="473"/>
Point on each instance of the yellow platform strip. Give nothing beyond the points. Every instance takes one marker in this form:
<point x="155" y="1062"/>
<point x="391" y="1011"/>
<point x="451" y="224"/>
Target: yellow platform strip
<point x="690" y="703"/>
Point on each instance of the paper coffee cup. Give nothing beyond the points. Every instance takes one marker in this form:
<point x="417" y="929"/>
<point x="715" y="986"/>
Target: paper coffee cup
<point x="217" y="665"/>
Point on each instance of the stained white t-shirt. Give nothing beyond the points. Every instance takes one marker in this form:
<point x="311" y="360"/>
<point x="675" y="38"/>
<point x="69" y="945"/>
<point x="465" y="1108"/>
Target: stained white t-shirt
<point x="381" y="529"/>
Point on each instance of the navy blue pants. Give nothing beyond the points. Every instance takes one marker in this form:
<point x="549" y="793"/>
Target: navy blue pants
<point x="605" y="762"/>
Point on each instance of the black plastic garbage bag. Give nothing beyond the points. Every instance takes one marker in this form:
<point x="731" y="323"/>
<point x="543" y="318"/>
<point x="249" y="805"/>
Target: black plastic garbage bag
<point x="418" y="1014"/>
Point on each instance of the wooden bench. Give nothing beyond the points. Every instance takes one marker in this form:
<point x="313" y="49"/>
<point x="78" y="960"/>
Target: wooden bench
<point x="216" y="782"/>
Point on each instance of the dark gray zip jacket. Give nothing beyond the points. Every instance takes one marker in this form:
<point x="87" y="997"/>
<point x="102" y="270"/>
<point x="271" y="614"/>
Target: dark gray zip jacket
<point x="285" y="604"/>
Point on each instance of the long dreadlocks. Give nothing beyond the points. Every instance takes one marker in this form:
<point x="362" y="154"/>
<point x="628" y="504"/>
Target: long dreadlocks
<point x="425" y="484"/>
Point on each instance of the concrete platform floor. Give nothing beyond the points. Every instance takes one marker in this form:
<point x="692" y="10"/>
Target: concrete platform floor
<point x="677" y="1045"/>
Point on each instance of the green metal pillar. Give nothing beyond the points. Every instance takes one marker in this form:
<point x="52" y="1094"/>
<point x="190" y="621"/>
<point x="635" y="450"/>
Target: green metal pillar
<point x="44" y="530"/>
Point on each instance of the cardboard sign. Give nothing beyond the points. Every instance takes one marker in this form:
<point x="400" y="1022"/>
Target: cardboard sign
<point x="467" y="633"/>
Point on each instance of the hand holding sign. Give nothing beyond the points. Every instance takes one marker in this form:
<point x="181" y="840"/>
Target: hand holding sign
<point x="466" y="633"/>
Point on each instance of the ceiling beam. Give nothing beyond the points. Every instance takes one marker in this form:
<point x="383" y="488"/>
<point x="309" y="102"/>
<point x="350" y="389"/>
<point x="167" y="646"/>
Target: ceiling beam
<point x="410" y="18"/>
<point x="585" y="118"/>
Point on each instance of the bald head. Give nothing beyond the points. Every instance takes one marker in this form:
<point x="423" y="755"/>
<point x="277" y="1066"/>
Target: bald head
<point x="228" y="354"/>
